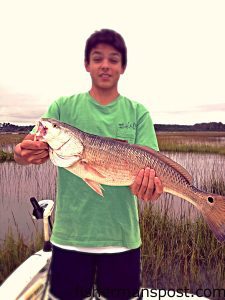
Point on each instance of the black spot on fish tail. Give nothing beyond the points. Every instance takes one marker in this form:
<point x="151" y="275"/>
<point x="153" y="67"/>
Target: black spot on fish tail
<point x="214" y="215"/>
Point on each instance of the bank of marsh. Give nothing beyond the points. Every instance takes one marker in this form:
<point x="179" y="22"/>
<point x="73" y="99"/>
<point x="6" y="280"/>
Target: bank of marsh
<point x="192" y="141"/>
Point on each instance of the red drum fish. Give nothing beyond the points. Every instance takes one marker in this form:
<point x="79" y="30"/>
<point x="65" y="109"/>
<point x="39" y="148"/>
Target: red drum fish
<point x="101" y="160"/>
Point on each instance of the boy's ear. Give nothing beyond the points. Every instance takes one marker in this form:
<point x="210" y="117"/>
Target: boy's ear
<point x="86" y="64"/>
<point x="123" y="70"/>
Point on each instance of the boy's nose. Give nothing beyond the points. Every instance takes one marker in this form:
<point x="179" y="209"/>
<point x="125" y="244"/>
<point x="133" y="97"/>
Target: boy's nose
<point x="105" y="63"/>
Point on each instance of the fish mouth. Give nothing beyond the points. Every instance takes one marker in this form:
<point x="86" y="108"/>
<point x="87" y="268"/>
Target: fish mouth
<point x="41" y="130"/>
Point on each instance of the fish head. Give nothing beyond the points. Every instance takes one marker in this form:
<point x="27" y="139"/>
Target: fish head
<point x="48" y="130"/>
<point x="65" y="144"/>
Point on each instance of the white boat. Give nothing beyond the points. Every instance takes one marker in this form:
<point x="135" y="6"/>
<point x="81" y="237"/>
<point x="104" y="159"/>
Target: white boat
<point x="30" y="279"/>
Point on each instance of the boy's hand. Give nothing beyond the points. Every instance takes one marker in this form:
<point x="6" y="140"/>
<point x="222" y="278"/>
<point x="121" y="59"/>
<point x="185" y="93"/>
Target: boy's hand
<point x="31" y="152"/>
<point x="147" y="186"/>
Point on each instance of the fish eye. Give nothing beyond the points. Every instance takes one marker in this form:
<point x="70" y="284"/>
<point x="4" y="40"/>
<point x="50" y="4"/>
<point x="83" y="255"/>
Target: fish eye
<point x="210" y="199"/>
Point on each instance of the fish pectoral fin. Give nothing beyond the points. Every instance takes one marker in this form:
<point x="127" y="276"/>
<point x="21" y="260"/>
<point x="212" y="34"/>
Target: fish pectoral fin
<point x="90" y="169"/>
<point x="94" y="186"/>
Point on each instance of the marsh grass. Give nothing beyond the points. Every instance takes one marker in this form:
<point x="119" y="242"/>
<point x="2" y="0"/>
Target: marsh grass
<point x="194" y="148"/>
<point x="15" y="251"/>
<point x="179" y="254"/>
<point x="190" y="141"/>
<point x="7" y="143"/>
<point x="11" y="138"/>
<point x="197" y="142"/>
<point x="6" y="156"/>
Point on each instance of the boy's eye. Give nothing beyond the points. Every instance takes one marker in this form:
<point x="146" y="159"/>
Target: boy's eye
<point x="114" y="61"/>
<point x="97" y="59"/>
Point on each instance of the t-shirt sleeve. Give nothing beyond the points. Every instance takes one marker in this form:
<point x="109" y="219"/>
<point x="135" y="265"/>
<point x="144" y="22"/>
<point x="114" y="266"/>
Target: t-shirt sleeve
<point x="145" y="133"/>
<point x="52" y="112"/>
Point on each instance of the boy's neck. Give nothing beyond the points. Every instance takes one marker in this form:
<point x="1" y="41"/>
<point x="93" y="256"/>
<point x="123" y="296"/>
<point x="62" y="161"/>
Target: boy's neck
<point x="105" y="96"/>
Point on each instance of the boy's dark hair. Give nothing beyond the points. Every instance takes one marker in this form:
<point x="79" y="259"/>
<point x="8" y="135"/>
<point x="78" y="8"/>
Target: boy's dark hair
<point x="106" y="36"/>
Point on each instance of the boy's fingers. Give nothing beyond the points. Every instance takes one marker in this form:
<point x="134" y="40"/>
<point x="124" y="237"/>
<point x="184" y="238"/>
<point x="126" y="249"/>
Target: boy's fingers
<point x="33" y="145"/>
<point x="146" y="182"/>
<point x="158" y="185"/>
<point x="158" y="189"/>
<point x="137" y="183"/>
<point x="39" y="161"/>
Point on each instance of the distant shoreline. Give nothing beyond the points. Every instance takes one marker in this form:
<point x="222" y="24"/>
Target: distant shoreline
<point x="211" y="126"/>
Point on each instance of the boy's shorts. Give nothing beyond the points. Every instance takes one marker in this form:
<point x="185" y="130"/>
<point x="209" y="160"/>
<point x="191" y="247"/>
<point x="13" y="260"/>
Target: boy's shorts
<point x="77" y="275"/>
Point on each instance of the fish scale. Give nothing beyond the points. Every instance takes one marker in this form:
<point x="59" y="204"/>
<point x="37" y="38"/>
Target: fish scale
<point x="101" y="160"/>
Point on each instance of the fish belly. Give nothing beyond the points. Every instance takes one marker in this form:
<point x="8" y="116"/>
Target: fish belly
<point x="103" y="175"/>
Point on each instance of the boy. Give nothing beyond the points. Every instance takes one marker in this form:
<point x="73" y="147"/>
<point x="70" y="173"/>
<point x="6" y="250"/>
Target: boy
<point x="98" y="240"/>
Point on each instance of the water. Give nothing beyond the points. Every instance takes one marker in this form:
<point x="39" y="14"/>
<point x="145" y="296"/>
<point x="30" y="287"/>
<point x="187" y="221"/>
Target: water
<point x="204" y="169"/>
<point x="19" y="183"/>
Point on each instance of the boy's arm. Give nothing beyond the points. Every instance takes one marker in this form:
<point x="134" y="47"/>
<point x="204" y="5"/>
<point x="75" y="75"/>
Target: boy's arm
<point x="30" y="151"/>
<point x="35" y="152"/>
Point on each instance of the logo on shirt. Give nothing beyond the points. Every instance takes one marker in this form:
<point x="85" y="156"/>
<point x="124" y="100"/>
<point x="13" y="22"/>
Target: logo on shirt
<point x="128" y="125"/>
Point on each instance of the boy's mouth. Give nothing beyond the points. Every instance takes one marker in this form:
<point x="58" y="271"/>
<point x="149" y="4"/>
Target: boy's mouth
<point x="105" y="76"/>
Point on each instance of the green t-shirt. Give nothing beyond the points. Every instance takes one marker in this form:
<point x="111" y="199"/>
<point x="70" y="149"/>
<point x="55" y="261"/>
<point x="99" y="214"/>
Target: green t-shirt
<point x="83" y="218"/>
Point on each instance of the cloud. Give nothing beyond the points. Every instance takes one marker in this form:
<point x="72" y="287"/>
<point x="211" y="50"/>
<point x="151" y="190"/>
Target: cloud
<point x="17" y="99"/>
<point x="212" y="107"/>
<point x="19" y="107"/>
<point x="206" y="108"/>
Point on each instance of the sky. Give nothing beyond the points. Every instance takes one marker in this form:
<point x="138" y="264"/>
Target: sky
<point x="176" y="55"/>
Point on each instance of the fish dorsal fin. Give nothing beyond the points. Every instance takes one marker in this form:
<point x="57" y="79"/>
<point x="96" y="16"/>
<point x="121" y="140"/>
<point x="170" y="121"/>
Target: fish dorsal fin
<point x="168" y="161"/>
<point x="119" y="140"/>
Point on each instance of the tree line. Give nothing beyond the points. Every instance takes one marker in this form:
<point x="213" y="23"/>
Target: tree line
<point x="212" y="126"/>
<point x="8" y="127"/>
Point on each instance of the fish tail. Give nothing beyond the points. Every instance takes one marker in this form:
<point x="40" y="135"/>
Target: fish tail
<point x="214" y="215"/>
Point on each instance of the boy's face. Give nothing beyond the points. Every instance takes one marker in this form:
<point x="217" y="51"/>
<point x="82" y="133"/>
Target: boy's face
<point x="105" y="66"/>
